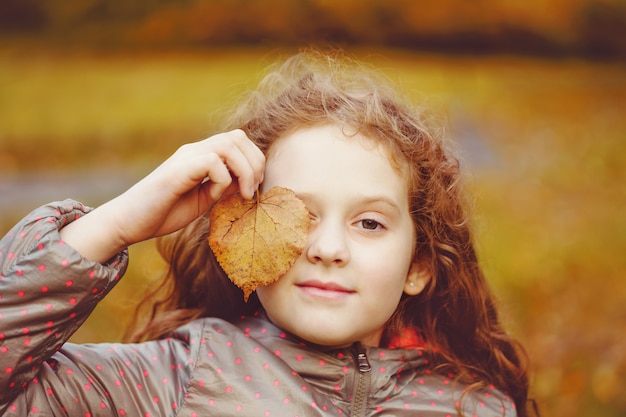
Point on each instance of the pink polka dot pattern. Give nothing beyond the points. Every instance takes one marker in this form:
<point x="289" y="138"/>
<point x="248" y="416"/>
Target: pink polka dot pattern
<point x="208" y="367"/>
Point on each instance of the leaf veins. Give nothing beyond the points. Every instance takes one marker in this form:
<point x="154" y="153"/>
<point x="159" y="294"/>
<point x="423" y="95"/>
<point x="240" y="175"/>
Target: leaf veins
<point x="258" y="241"/>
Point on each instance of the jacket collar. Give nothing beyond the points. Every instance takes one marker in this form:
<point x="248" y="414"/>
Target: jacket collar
<point x="308" y="358"/>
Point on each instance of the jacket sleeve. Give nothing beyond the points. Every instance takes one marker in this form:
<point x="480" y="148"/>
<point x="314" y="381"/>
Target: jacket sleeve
<point x="47" y="290"/>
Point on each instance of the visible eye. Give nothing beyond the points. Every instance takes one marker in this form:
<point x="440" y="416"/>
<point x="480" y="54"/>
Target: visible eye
<point x="369" y="224"/>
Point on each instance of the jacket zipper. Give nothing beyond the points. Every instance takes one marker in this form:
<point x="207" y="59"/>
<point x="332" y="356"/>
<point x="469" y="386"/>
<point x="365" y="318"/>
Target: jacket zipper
<point x="361" y="392"/>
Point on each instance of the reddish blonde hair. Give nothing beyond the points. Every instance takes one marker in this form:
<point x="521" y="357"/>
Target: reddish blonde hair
<point x="456" y="313"/>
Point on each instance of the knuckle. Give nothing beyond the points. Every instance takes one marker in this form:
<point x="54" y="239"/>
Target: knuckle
<point x="228" y="146"/>
<point x="213" y="158"/>
<point x="184" y="148"/>
<point x="239" y="134"/>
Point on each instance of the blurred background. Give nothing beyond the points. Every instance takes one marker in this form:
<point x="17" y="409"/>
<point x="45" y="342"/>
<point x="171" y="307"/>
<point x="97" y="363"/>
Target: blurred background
<point x="95" y="93"/>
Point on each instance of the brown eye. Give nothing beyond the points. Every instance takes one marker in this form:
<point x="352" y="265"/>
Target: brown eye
<point x="370" y="224"/>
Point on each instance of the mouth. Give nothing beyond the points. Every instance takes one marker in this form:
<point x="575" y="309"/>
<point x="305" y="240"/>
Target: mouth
<point x="321" y="289"/>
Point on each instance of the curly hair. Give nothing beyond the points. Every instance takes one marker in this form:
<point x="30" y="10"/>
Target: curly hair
<point x="456" y="313"/>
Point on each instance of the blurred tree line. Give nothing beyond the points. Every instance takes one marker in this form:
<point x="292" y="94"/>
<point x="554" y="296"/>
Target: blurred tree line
<point x="588" y="28"/>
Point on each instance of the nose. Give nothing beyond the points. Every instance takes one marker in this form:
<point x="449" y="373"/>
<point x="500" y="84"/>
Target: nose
<point x="328" y="243"/>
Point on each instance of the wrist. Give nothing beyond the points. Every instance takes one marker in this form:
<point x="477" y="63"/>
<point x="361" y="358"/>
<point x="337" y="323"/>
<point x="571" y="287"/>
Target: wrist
<point x="93" y="237"/>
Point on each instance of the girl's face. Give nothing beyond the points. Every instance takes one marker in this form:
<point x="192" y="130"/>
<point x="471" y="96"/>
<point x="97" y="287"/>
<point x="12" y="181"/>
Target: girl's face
<point x="359" y="257"/>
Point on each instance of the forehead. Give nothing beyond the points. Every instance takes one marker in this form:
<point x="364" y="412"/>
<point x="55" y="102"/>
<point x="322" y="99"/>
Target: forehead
<point x="383" y="148"/>
<point x="328" y="155"/>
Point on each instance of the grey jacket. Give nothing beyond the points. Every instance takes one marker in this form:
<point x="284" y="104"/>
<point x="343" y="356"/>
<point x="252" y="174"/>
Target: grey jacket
<point x="208" y="367"/>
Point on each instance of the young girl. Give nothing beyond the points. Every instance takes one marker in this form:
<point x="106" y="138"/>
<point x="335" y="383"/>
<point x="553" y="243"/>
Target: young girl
<point x="385" y="313"/>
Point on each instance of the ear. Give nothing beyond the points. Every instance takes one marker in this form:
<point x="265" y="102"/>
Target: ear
<point x="416" y="279"/>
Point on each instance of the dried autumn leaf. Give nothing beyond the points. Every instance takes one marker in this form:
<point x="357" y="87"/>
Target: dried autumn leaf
<point x="257" y="241"/>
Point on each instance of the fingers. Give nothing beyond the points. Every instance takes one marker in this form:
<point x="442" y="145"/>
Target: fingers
<point x="244" y="160"/>
<point x="222" y="158"/>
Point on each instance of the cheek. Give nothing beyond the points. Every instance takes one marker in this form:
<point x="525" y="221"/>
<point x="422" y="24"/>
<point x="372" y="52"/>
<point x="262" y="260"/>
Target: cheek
<point x="385" y="280"/>
<point x="389" y="275"/>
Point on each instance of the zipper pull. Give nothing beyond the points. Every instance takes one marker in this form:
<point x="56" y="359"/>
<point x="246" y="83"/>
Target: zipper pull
<point x="361" y="360"/>
<point x="362" y="381"/>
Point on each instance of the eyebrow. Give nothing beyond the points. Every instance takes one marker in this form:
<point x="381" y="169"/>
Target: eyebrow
<point x="381" y="199"/>
<point x="365" y="200"/>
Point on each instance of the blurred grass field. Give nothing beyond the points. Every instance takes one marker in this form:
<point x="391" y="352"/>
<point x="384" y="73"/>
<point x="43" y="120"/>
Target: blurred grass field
<point x="544" y="144"/>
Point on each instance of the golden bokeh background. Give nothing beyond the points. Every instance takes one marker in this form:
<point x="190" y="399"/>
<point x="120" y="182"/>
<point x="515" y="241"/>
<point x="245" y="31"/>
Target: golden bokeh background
<point x="94" y="94"/>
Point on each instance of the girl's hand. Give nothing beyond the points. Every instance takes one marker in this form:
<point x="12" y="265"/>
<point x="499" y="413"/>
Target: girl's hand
<point x="182" y="188"/>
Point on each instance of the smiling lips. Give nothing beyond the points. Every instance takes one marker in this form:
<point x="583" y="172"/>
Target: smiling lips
<point x="321" y="289"/>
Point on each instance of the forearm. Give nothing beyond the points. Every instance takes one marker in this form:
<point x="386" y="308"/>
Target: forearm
<point x="94" y="236"/>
